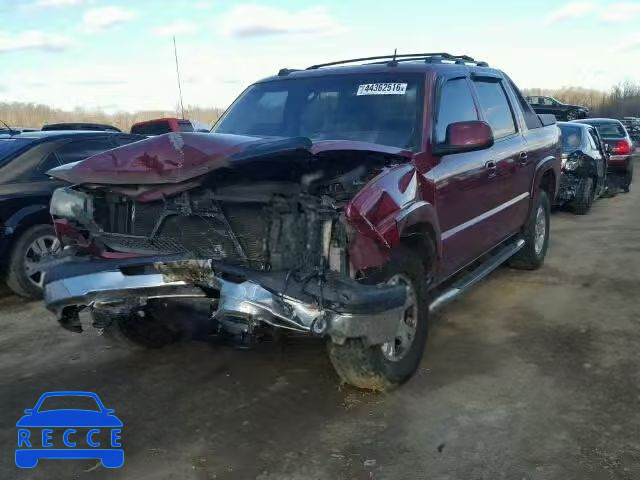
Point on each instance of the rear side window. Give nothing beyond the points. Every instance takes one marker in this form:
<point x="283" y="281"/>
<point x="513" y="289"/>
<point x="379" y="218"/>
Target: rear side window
<point x="456" y="105"/>
<point x="571" y="138"/>
<point x="495" y="107"/>
<point x="185" y="126"/>
<point x="531" y="118"/>
<point x="81" y="149"/>
<point x="155" y="128"/>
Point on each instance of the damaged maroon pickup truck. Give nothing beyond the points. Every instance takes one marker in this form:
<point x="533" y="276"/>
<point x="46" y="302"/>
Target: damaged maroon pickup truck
<point x="345" y="201"/>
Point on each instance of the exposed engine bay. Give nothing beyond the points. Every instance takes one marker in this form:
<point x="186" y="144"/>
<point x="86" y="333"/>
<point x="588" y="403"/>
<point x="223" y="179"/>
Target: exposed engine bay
<point x="269" y="242"/>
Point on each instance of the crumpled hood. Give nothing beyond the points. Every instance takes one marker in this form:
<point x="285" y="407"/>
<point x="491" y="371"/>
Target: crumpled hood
<point x="178" y="157"/>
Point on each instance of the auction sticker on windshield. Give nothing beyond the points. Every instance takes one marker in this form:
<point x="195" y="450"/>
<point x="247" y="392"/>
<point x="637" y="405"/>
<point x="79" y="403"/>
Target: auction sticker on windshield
<point x="382" y="89"/>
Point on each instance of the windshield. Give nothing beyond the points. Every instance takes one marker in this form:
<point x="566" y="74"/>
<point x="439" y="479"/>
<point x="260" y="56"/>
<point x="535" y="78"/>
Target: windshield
<point x="571" y="138"/>
<point x="378" y="108"/>
<point x="611" y="130"/>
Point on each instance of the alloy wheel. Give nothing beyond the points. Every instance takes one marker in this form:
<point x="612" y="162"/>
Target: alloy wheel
<point x="398" y="348"/>
<point x="41" y="248"/>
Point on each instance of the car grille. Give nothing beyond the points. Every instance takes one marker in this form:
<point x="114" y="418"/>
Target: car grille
<point x="235" y="231"/>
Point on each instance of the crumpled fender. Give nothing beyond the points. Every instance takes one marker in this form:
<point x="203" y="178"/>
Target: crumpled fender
<point x="391" y="205"/>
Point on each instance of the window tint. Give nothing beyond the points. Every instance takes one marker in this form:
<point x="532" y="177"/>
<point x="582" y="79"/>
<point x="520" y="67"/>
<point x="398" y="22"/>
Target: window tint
<point x="80" y="149"/>
<point x="530" y="117"/>
<point x="456" y="105"/>
<point x="593" y="143"/>
<point x="185" y="126"/>
<point x="611" y="130"/>
<point x="495" y="107"/>
<point x="378" y="108"/>
<point x="533" y="100"/>
<point x="120" y="140"/>
<point x="155" y="128"/>
<point x="571" y="138"/>
<point x="548" y="101"/>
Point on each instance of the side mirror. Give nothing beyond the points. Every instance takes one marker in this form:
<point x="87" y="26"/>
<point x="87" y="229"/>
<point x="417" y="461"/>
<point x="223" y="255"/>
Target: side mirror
<point x="465" y="137"/>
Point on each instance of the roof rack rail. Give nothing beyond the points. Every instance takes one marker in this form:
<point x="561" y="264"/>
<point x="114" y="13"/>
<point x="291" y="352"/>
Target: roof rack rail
<point x="393" y="59"/>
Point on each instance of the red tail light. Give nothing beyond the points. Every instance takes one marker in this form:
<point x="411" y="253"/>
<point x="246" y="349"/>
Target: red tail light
<point x="623" y="147"/>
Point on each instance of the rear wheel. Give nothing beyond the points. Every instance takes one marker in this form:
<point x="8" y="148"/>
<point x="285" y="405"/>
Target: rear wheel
<point x="382" y="367"/>
<point x="25" y="276"/>
<point x="572" y="115"/>
<point x="628" y="179"/>
<point x="585" y="194"/>
<point x="535" y="235"/>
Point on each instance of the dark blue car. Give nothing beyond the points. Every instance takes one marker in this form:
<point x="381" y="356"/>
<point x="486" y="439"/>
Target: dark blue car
<point x="26" y="234"/>
<point x="35" y="432"/>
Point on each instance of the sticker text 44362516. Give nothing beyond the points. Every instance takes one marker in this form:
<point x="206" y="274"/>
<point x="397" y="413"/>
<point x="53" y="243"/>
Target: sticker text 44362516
<point x="382" y="89"/>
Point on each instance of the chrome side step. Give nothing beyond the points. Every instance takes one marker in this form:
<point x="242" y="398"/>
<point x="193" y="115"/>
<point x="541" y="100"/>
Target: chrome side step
<point x="471" y="278"/>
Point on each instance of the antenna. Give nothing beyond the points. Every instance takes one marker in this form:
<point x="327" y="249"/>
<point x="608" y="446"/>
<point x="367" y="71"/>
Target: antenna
<point x="175" y="52"/>
<point x="394" y="61"/>
<point x="11" y="130"/>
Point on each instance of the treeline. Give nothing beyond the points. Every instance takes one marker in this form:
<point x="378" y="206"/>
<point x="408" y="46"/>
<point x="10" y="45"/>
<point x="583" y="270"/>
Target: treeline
<point x="35" y="115"/>
<point x="623" y="100"/>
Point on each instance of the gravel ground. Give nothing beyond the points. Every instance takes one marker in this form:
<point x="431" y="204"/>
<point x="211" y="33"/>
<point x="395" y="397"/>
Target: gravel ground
<point x="533" y="375"/>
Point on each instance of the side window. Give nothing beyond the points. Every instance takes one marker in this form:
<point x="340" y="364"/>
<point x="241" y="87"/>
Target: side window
<point x="81" y="149"/>
<point x="456" y="105"/>
<point x="496" y="108"/>
<point x="548" y="102"/>
<point x="121" y="140"/>
<point x="533" y="100"/>
<point x="49" y="162"/>
<point x="530" y="117"/>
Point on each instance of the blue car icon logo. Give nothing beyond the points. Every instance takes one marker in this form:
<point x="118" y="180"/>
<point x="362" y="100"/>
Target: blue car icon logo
<point x="87" y="431"/>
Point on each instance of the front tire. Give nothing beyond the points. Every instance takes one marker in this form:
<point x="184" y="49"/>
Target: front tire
<point x="31" y="248"/>
<point x="535" y="235"/>
<point x="383" y="367"/>
<point x="585" y="194"/>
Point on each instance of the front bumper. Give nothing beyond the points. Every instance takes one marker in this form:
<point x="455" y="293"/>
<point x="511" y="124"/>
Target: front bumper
<point x="329" y="306"/>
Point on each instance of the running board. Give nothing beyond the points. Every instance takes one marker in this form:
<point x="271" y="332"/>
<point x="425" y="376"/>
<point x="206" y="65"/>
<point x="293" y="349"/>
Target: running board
<point x="474" y="276"/>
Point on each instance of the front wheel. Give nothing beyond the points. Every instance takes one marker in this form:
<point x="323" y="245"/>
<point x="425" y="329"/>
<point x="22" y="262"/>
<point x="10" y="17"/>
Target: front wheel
<point x="535" y="235"/>
<point x="32" y="248"/>
<point x="382" y="367"/>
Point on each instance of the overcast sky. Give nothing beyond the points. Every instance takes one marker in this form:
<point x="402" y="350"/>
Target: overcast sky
<point x="118" y="55"/>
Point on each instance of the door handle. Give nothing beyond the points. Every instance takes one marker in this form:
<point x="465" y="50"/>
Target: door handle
<point x="491" y="166"/>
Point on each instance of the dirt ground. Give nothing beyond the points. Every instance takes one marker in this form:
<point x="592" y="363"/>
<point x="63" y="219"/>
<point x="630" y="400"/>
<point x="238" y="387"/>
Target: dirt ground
<point x="534" y="375"/>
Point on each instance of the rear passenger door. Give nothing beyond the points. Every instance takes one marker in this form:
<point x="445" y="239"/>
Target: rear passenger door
<point x="508" y="158"/>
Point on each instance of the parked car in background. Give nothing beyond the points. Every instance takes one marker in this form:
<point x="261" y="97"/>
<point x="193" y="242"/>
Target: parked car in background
<point x="159" y="126"/>
<point x="562" y="111"/>
<point x="97" y="127"/>
<point x="26" y="233"/>
<point x="345" y="202"/>
<point x="620" y="144"/>
<point x="632" y="124"/>
<point x="584" y="167"/>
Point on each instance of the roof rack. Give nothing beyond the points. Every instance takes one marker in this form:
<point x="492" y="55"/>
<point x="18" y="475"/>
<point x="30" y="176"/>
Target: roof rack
<point x="393" y="59"/>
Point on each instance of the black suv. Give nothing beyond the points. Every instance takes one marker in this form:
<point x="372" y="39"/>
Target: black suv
<point x="562" y="111"/>
<point x="26" y="234"/>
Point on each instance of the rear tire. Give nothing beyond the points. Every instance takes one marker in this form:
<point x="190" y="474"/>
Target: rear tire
<point x="585" y="195"/>
<point x="535" y="235"/>
<point x="572" y="115"/>
<point x="371" y="367"/>
<point x="628" y="179"/>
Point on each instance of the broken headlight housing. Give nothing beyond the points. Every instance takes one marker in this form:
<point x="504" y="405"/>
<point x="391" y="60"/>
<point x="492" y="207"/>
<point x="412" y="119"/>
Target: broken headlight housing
<point x="572" y="161"/>
<point x="69" y="203"/>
